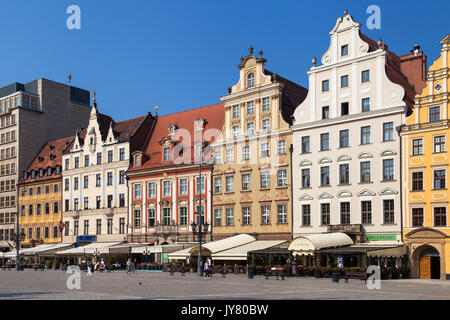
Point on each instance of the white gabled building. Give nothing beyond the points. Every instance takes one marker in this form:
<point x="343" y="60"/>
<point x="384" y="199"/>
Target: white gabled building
<point x="346" y="159"/>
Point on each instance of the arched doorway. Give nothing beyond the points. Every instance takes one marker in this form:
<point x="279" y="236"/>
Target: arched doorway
<point x="429" y="263"/>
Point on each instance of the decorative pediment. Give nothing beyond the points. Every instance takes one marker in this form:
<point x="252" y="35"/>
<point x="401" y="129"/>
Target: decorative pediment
<point x="282" y="197"/>
<point x="217" y="172"/>
<point x="265" y="199"/>
<point x="421" y="233"/>
<point x="245" y="168"/>
<point x="344" y="194"/>
<point x="387" y="153"/>
<point x="305" y="197"/>
<point x="305" y="163"/>
<point x="165" y="141"/>
<point x="325" y="195"/>
<point x="325" y="160"/>
<point x="366" y="193"/>
<point x="365" y="155"/>
<point x="246" y="199"/>
<point x="182" y="202"/>
<point x="344" y="158"/>
<point x="387" y="191"/>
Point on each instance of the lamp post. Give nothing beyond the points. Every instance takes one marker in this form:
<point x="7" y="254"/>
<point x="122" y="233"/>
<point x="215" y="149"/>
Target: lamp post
<point x="146" y="253"/>
<point x="18" y="235"/>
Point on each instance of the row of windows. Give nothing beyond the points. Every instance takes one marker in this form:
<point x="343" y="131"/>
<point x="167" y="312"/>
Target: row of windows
<point x="345" y="108"/>
<point x="8" y="120"/>
<point x="344" y="173"/>
<point x="7" y="217"/>
<point x="166" y="216"/>
<point x="265" y="215"/>
<point x="8" y="137"/>
<point x="41" y="171"/>
<point x="439" y="145"/>
<point x="167" y="188"/>
<point x="365" y="77"/>
<point x="7" y="153"/>
<point x="264" y="152"/>
<point x="246" y="185"/>
<point x="439" y="180"/>
<point x="7" y="201"/>
<point x="37" y="233"/>
<point x="110" y="159"/>
<point x="7" y="185"/>
<point x="110" y="228"/>
<point x="440" y="217"/>
<point x="6" y="234"/>
<point x="37" y="208"/>
<point x="47" y="189"/>
<point x="7" y="169"/>
<point x="366" y="213"/>
<point x="98" y="202"/>
<point x="344" y="138"/>
<point x="98" y="180"/>
<point x="251" y="107"/>
<point x="251" y="128"/>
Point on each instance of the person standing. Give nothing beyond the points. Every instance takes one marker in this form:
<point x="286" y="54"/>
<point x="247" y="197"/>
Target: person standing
<point x="129" y="266"/>
<point x="89" y="266"/>
<point x="206" y="270"/>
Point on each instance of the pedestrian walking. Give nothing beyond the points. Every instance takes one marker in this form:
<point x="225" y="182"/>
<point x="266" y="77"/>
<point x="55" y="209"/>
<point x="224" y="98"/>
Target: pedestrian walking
<point x="134" y="265"/>
<point x="206" y="268"/>
<point x="89" y="266"/>
<point x="129" y="266"/>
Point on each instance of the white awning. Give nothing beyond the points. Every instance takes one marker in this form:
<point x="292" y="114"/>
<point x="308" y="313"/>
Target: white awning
<point x="95" y="247"/>
<point x="180" y="255"/>
<point x="125" y="247"/>
<point x="240" y="253"/>
<point x="307" y="244"/>
<point x="164" y="248"/>
<point x="52" y="251"/>
<point x="28" y="251"/>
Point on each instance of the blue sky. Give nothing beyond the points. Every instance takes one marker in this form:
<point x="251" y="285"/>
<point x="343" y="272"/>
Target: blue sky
<point x="184" y="54"/>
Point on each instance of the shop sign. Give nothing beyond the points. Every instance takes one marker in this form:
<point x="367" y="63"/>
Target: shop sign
<point x="381" y="237"/>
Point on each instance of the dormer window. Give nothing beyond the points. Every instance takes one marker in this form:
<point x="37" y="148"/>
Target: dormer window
<point x="26" y="175"/>
<point x="41" y="172"/>
<point x="58" y="169"/>
<point x="344" y="50"/>
<point x="166" y="154"/>
<point x="137" y="160"/>
<point x="49" y="171"/>
<point x="33" y="174"/>
<point x="250" y="80"/>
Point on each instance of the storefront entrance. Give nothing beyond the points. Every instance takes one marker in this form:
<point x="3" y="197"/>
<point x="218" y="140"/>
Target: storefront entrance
<point x="429" y="264"/>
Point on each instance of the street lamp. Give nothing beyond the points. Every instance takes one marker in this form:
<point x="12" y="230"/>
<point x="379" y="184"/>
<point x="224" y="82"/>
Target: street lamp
<point x="200" y="230"/>
<point x="18" y="236"/>
<point x="146" y="253"/>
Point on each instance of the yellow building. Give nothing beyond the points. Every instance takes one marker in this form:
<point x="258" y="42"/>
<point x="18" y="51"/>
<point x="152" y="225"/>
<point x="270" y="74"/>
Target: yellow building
<point x="425" y="168"/>
<point x="40" y="196"/>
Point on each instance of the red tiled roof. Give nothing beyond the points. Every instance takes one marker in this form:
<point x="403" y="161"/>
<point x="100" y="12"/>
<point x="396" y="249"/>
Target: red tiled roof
<point x="49" y="156"/>
<point x="214" y="116"/>
<point x="126" y="129"/>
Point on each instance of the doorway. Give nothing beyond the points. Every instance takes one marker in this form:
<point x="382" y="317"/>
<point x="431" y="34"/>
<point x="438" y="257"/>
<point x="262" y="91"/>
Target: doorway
<point x="429" y="264"/>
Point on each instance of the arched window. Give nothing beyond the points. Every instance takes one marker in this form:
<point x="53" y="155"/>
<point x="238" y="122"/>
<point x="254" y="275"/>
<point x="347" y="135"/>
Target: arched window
<point x="250" y="80"/>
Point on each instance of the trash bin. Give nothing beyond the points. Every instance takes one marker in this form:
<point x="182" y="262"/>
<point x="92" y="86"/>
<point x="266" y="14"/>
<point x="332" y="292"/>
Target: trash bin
<point x="335" y="276"/>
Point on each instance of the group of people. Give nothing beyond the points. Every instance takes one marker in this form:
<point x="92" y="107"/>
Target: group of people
<point x="131" y="266"/>
<point x="98" y="267"/>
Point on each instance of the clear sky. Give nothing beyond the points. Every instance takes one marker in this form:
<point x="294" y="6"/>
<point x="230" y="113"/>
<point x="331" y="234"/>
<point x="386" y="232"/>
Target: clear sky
<point x="183" y="54"/>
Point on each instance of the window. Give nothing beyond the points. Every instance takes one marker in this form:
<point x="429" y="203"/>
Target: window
<point x="200" y="185"/>
<point x="417" y="217"/>
<point x="388" y="209"/>
<point x="152" y="190"/>
<point x="66" y="164"/>
<point x="109" y="180"/>
<point x="86" y="227"/>
<point x="325" y="213"/>
<point x="366" y="212"/>
<point x="324" y="176"/>
<point x="344" y="108"/>
<point x="326" y="112"/>
<point x="66" y="228"/>
<point x="110" y="201"/>
<point x="110" y="156"/>
<point x="99" y="158"/>
<point x="388" y="170"/>
<point x="46" y="233"/>
<point x="417" y="146"/>
<point x="266" y="104"/>
<point x="22" y="211"/>
<point x="75" y="183"/>
<point x="229" y="184"/>
<point x="344" y="50"/>
<point x="388" y="131"/>
<point x="38" y="233"/>
<point x="122" y="225"/>
<point x="183" y="187"/>
<point x="305" y="145"/>
<point x="306" y="215"/>
<point x="47" y="208"/>
<point x="75" y="204"/>
<point x="122" y="177"/>
<point x="166" y="154"/>
<point x="245" y="153"/>
<point x="218" y="157"/>
<point x="86" y="160"/>
<point x="30" y="233"/>
<point x="85" y="182"/>
<point x="439" y="144"/>
<point x="38" y="209"/>
<point x="217" y="185"/>
<point x="245" y="182"/>
<point x="47" y="189"/>
<point x="265" y="180"/>
<point x="98" y="229"/>
<point x="137" y="160"/>
<point x="217" y="217"/>
<point x="30" y="210"/>
<point x="137" y="218"/>
<point x="365" y="105"/>
<point x="166" y="189"/>
<point x="324" y="141"/>
<point x="121" y="154"/>
<point x="417" y="181"/>
<point x="365" y="171"/>
<point x="266" y="125"/>
<point x="250" y="80"/>
<point x="281" y="178"/>
<point x="109" y="225"/>
<point x="98" y="180"/>
<point x="77" y="162"/>
<point x="282" y="147"/>
<point x="235" y="131"/>
<point x="236" y="111"/>
<point x="306" y="178"/>
<point x="67" y="204"/>
<point x="325" y="85"/>
<point x="38" y="190"/>
<point x="121" y="200"/>
<point x="343" y="138"/>
<point x="435" y="114"/>
<point x="250" y="107"/>
<point x="230" y="155"/>
<point x="264" y="150"/>
<point x="282" y="214"/>
<point x="265" y="215"/>
<point x="183" y="216"/>
<point x="230" y="216"/>
<point x="345" y="212"/>
<point x="137" y="191"/>
<point x="151" y="217"/>
<point x="344" y="81"/>
<point x="250" y="129"/>
<point x="75" y="227"/>
<point x="440" y="217"/>
<point x="55" y="207"/>
<point x="365" y="135"/>
<point x="439" y="179"/>
<point x="246" y="216"/>
<point x="365" y="76"/>
<point x="55" y="232"/>
<point x="344" y="173"/>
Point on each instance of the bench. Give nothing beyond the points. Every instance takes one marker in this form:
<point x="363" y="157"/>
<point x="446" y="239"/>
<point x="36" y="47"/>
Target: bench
<point x="355" y="275"/>
<point x="274" y="273"/>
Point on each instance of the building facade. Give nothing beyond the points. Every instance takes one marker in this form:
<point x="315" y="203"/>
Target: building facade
<point x="166" y="182"/>
<point x="252" y="173"/>
<point x="425" y="172"/>
<point x="95" y="193"/>
<point x="346" y="157"/>
<point x="30" y="115"/>
<point x="40" y="196"/>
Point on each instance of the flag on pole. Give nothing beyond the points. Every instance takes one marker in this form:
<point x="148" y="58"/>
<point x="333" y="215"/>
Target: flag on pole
<point x="61" y="226"/>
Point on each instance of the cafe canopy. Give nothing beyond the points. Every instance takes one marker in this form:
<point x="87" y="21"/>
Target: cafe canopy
<point x="308" y="244"/>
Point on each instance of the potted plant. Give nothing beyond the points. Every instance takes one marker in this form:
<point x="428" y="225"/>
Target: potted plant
<point x="36" y="267"/>
<point x="55" y="265"/>
<point x="48" y="263"/>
